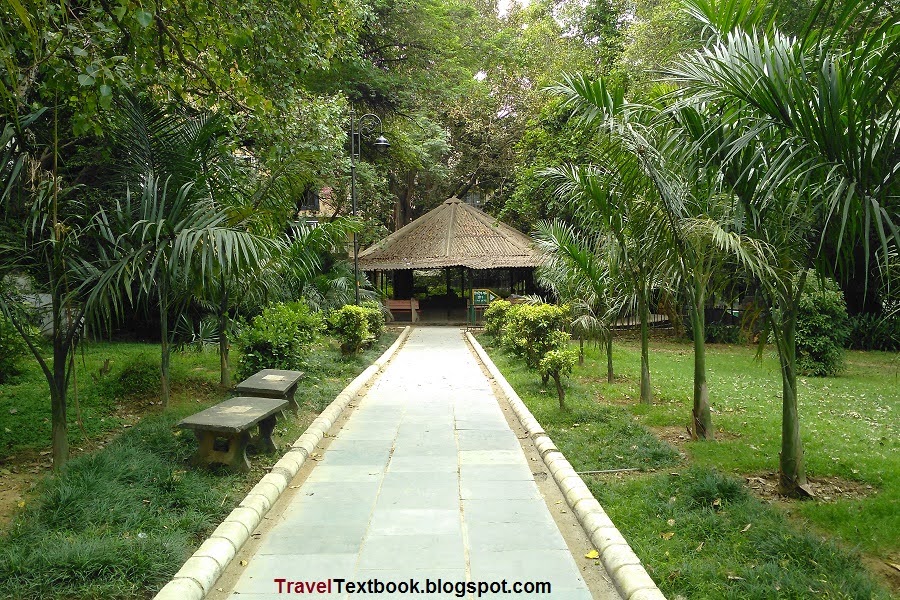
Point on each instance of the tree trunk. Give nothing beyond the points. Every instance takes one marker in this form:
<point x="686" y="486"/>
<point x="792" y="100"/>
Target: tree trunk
<point x="581" y="350"/>
<point x="224" y="368"/>
<point x="164" y="345"/>
<point x="792" y="470"/>
<point x="58" y="410"/>
<point x="560" y="391"/>
<point x="646" y="392"/>
<point x="610" y="375"/>
<point x="702" y="419"/>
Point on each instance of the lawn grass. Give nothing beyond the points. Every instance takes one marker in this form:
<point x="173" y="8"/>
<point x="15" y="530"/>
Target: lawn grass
<point x="687" y="517"/>
<point x="25" y="402"/>
<point x="119" y="522"/>
<point x="850" y="426"/>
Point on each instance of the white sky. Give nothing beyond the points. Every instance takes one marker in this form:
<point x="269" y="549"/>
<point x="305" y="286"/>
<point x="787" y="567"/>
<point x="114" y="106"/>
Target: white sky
<point x="503" y="5"/>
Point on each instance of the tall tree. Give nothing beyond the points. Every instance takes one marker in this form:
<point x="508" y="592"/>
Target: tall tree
<point x="174" y="232"/>
<point x="807" y="142"/>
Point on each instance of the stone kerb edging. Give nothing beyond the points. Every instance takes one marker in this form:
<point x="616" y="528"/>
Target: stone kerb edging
<point x="623" y="566"/>
<point x="199" y="573"/>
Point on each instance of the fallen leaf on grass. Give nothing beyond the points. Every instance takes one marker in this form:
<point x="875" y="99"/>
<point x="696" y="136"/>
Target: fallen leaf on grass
<point x="746" y="527"/>
<point x="667" y="535"/>
<point x="735" y="578"/>
<point x="670" y="522"/>
<point x="592" y="554"/>
<point x="700" y="547"/>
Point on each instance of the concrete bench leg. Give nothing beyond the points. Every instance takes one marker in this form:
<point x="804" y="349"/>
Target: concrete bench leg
<point x="235" y="457"/>
<point x="292" y="402"/>
<point x="264" y="440"/>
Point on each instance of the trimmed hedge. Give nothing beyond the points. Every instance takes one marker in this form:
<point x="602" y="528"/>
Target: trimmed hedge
<point x="350" y="325"/>
<point x="528" y="330"/>
<point x="278" y="338"/>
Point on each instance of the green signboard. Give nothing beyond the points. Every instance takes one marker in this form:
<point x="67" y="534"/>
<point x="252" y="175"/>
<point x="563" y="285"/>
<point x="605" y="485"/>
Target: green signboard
<point x="483" y="297"/>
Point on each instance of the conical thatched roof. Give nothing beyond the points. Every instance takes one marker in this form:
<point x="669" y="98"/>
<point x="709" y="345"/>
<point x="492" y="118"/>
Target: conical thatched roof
<point x="452" y="235"/>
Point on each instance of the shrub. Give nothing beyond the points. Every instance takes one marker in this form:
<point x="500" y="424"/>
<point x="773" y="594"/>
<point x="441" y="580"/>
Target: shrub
<point x="140" y="376"/>
<point x="278" y="338"/>
<point x="375" y="317"/>
<point x="874" y="332"/>
<point x="529" y="330"/>
<point x="717" y="333"/>
<point x="350" y="325"/>
<point x="12" y="349"/>
<point x="557" y="364"/>
<point x="822" y="328"/>
<point x="495" y="316"/>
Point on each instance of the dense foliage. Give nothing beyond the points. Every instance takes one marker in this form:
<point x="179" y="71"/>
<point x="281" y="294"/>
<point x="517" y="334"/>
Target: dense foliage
<point x="374" y="317"/>
<point x="531" y="330"/>
<point x="822" y="328"/>
<point x="350" y="325"/>
<point x="495" y="317"/>
<point x="12" y="349"/>
<point x="874" y="332"/>
<point x="278" y="338"/>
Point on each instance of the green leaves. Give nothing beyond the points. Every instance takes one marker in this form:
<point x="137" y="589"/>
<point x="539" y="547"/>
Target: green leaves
<point x="143" y="18"/>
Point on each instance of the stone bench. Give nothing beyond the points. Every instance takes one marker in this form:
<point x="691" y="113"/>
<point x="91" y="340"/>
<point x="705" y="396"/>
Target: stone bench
<point x="272" y="383"/>
<point x="230" y="422"/>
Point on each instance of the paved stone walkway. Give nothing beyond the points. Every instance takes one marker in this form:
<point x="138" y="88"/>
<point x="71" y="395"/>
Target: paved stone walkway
<point x="425" y="481"/>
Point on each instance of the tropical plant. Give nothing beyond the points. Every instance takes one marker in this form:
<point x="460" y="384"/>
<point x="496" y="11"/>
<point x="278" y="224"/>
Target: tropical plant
<point x="701" y="228"/>
<point x="624" y="209"/>
<point x="350" y="324"/>
<point x="48" y="242"/>
<point x="174" y="232"/>
<point x="557" y="364"/>
<point x="576" y="268"/>
<point x="278" y="338"/>
<point x="805" y="138"/>
<point x="822" y="328"/>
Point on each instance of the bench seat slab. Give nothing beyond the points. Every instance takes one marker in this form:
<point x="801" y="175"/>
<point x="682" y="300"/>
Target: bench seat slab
<point x="273" y="383"/>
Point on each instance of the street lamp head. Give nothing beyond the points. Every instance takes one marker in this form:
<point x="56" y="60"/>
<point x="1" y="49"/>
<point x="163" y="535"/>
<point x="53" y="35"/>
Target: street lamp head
<point x="381" y="144"/>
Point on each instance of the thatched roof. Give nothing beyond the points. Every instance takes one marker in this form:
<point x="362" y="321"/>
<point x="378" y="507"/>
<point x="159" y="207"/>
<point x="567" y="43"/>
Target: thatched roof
<point x="452" y="235"/>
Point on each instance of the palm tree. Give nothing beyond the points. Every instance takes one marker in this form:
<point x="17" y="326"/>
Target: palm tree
<point x="611" y="200"/>
<point x="700" y="226"/>
<point x="174" y="234"/>
<point x="807" y="141"/>
<point x="577" y="269"/>
<point x="51" y="245"/>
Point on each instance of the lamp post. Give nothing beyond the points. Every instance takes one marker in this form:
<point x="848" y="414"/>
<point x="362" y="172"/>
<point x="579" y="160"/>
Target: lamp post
<point x="357" y="129"/>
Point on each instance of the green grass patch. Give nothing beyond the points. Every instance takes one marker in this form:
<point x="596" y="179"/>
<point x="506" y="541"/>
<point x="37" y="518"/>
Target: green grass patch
<point x="850" y="425"/>
<point x="690" y="529"/>
<point x="118" y="523"/>
<point x="103" y="394"/>
<point x="701" y="535"/>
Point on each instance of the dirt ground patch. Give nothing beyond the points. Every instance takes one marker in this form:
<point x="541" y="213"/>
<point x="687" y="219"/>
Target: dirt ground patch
<point x="678" y="435"/>
<point x="827" y="489"/>
<point x="887" y="570"/>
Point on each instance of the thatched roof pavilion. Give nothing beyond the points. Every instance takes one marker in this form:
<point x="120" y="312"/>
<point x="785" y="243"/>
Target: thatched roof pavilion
<point x="454" y="234"/>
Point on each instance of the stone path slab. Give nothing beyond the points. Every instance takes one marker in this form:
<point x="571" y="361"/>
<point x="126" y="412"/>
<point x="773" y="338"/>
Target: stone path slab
<point x="425" y="481"/>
